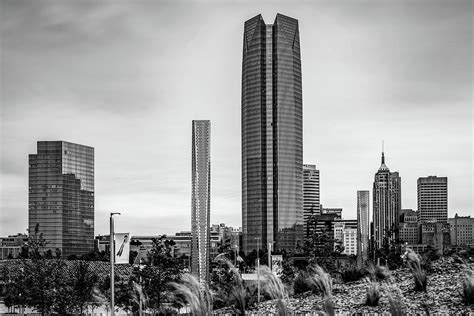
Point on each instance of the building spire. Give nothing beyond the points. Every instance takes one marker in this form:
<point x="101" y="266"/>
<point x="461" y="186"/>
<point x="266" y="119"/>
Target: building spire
<point x="383" y="156"/>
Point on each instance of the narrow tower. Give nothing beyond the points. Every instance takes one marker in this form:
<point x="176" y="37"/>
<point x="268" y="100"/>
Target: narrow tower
<point x="201" y="199"/>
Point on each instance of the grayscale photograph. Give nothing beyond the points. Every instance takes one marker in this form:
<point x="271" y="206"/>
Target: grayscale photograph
<point x="236" y="157"/>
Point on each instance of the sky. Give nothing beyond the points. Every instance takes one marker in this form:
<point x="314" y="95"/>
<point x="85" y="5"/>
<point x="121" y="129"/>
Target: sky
<point x="128" y="78"/>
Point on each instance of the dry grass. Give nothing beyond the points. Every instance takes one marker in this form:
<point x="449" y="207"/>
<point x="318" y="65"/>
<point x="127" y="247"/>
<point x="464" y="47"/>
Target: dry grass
<point x="468" y="289"/>
<point x="193" y="295"/>
<point x="395" y="301"/>
<point x="373" y="294"/>
<point x="420" y="277"/>
<point x="273" y="286"/>
<point x="320" y="280"/>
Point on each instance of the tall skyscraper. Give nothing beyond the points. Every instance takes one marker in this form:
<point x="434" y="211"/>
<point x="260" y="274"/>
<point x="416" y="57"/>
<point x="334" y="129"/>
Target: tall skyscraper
<point x="61" y="196"/>
<point x="362" y="225"/>
<point x="387" y="204"/>
<point x="310" y="196"/>
<point x="201" y="199"/>
<point x="433" y="199"/>
<point x="272" y="135"/>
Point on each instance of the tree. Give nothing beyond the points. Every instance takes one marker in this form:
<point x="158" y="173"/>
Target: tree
<point x="157" y="271"/>
<point x="84" y="281"/>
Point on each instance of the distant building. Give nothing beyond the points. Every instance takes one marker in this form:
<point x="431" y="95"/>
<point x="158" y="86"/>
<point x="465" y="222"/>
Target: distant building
<point x="102" y="243"/>
<point x="462" y="230"/>
<point x="272" y="135"/>
<point x="201" y="199"/>
<point x="436" y="235"/>
<point x="337" y="211"/>
<point x="433" y="199"/>
<point x="408" y="216"/>
<point x="386" y="205"/>
<point x="310" y="196"/>
<point x="363" y="226"/>
<point x="409" y="232"/>
<point x="345" y="235"/>
<point x="10" y="247"/>
<point x="350" y="241"/>
<point x="61" y="196"/>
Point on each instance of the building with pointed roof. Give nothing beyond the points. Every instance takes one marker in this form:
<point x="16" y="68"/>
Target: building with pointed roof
<point x="386" y="205"/>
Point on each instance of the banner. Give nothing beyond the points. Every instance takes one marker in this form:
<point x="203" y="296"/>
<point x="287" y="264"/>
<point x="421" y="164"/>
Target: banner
<point x="277" y="264"/>
<point x="122" y="247"/>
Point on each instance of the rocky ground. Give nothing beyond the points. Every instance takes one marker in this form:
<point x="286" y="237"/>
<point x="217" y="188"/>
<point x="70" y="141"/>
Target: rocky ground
<point x="443" y="295"/>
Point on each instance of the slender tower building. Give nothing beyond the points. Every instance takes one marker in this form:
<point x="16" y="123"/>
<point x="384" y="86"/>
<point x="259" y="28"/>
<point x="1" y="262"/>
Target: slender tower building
<point x="201" y="199"/>
<point x="362" y="226"/>
<point x="272" y="135"/>
<point x="387" y="205"/>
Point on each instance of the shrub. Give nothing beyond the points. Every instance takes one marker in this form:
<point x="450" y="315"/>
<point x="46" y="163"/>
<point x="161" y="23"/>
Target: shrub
<point x="300" y="284"/>
<point x="378" y="273"/>
<point x="353" y="273"/>
<point x="468" y="289"/>
<point x="273" y="286"/>
<point x="373" y="294"/>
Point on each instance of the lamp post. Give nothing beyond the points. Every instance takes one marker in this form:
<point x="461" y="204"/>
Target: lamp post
<point x="270" y="244"/>
<point x="112" y="262"/>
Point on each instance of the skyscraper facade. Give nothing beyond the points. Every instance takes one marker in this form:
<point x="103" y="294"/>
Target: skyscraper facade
<point x="310" y="196"/>
<point x="61" y="196"/>
<point x="362" y="225"/>
<point x="200" y="199"/>
<point x="433" y="199"/>
<point x="386" y="205"/>
<point x="272" y="134"/>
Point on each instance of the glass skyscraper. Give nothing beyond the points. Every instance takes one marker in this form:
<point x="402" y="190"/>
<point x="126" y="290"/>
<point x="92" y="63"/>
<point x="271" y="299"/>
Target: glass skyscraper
<point x="272" y="135"/>
<point x="61" y="196"/>
<point x="200" y="199"/>
<point x="387" y="205"/>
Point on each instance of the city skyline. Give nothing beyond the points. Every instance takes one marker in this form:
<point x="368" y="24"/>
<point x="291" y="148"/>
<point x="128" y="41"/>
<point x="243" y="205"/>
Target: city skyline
<point x="58" y="70"/>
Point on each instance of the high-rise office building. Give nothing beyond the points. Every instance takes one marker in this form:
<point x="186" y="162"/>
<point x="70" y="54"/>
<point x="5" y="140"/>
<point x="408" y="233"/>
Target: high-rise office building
<point x="310" y="196"/>
<point x="272" y="135"/>
<point x="201" y="199"/>
<point x="61" y="196"/>
<point x="386" y="205"/>
<point x="363" y="226"/>
<point x="433" y="199"/>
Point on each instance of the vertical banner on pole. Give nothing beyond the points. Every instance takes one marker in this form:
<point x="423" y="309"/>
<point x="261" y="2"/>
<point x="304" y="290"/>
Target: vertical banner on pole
<point x="122" y="247"/>
<point x="277" y="264"/>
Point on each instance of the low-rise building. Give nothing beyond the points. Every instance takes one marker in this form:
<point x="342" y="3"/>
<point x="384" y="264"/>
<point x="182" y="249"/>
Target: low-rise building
<point x="10" y="247"/>
<point x="462" y="231"/>
<point x="436" y="235"/>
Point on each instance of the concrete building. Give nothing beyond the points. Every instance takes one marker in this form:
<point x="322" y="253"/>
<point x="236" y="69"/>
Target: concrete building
<point x="436" y="235"/>
<point x="345" y="235"/>
<point x="409" y="233"/>
<point x="272" y="135"/>
<point x="386" y="204"/>
<point x="462" y="231"/>
<point x="433" y="199"/>
<point x="311" y="201"/>
<point x="201" y="198"/>
<point x="349" y="237"/>
<point x="363" y="225"/>
<point x="61" y="196"/>
<point x="11" y="246"/>
<point x="408" y="216"/>
<point x="332" y="210"/>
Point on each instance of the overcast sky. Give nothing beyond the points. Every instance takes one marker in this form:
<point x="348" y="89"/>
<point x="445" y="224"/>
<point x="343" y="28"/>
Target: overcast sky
<point x="128" y="77"/>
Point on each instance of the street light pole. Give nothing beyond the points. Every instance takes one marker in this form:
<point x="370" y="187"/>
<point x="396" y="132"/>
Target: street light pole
<point x="112" y="262"/>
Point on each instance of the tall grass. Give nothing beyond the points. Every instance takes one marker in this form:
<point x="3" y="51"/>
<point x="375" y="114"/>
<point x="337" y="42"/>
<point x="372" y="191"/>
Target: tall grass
<point x="420" y="277"/>
<point x="273" y="286"/>
<point x="373" y="294"/>
<point x="238" y="293"/>
<point x="395" y="302"/>
<point x="320" y="280"/>
<point x="377" y="272"/>
<point x="468" y="289"/>
<point x="191" y="293"/>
